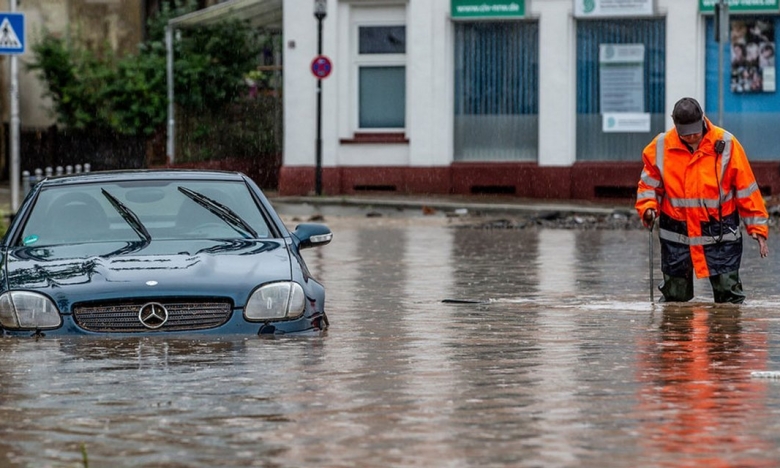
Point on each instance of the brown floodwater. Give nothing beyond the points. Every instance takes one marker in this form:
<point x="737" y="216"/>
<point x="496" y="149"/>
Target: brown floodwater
<point x="548" y="353"/>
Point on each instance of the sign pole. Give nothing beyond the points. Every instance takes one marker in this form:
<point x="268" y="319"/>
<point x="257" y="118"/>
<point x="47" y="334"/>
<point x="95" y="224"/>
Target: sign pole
<point x="318" y="175"/>
<point x="722" y="38"/>
<point x="15" y="123"/>
<point x="320" y="12"/>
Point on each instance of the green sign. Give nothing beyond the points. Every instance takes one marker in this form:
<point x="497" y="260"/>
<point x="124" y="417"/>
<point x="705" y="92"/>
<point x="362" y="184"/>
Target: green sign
<point x="742" y="5"/>
<point x="487" y="8"/>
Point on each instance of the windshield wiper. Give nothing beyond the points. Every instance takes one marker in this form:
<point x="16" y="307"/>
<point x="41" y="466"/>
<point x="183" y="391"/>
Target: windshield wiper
<point x="221" y="211"/>
<point x="129" y="217"/>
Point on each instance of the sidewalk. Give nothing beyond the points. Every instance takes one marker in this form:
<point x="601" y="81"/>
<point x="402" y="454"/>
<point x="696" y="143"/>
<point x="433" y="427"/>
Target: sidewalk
<point x="448" y="204"/>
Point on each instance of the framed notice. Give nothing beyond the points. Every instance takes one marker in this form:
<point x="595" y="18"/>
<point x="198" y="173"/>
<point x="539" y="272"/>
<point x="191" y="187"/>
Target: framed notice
<point x="622" y="78"/>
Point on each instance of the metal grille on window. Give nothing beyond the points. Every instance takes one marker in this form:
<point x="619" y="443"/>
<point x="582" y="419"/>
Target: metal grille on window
<point x="496" y="91"/>
<point x="593" y="143"/>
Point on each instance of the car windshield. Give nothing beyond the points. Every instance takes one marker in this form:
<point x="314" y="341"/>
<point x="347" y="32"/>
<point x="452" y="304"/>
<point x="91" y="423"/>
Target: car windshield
<point x="142" y="211"/>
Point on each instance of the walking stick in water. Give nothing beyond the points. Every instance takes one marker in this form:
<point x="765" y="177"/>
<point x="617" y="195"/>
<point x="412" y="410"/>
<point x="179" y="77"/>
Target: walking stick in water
<point x="652" y="224"/>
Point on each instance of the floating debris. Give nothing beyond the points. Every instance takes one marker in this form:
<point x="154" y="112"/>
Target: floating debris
<point x="765" y="374"/>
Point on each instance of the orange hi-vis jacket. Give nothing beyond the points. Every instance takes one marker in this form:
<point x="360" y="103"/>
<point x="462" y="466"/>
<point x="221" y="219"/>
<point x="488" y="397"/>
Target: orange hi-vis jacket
<point x="700" y="197"/>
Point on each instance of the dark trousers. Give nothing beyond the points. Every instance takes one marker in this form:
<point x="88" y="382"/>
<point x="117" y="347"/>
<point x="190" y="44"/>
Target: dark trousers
<point x="726" y="287"/>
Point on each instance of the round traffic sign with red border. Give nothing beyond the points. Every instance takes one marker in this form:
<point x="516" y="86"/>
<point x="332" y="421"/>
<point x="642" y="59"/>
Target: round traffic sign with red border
<point x="321" y="66"/>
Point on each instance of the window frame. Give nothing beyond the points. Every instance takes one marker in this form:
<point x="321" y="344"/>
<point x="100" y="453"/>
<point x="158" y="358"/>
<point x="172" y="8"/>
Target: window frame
<point x="360" y="61"/>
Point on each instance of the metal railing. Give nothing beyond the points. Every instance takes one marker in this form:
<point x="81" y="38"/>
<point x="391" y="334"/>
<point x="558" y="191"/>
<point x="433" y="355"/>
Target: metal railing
<point x="29" y="180"/>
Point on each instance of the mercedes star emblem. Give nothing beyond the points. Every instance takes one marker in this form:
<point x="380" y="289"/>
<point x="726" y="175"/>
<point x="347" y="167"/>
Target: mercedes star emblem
<point x="153" y="315"/>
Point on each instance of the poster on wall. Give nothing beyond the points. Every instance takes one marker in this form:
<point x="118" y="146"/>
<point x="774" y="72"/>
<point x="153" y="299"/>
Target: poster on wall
<point x="621" y="77"/>
<point x="622" y="88"/>
<point x="752" y="56"/>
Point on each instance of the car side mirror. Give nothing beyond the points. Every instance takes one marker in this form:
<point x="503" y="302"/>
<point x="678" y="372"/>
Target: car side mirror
<point x="311" y="235"/>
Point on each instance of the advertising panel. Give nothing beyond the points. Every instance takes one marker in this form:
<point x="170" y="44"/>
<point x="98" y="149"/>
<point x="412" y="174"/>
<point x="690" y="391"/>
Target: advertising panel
<point x="752" y="56"/>
<point x="612" y="8"/>
<point x="470" y="9"/>
<point x="708" y="6"/>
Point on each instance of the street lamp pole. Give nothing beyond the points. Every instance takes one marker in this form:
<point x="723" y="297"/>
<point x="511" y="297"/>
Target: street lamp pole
<point x="320" y="11"/>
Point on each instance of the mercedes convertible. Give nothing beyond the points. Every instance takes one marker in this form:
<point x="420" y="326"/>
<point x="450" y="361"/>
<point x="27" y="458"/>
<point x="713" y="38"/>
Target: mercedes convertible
<point x="168" y="252"/>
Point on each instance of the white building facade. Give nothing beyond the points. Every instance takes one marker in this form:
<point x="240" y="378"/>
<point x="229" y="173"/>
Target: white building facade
<point x="533" y="98"/>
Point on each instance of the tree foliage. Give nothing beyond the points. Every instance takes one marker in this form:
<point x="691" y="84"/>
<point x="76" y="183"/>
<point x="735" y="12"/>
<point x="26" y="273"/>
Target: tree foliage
<point x="96" y="89"/>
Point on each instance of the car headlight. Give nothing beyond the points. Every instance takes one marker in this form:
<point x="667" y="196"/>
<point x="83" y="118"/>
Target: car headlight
<point x="276" y="301"/>
<point x="24" y="309"/>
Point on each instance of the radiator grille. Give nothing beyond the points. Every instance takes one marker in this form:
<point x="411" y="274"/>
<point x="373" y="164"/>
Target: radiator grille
<point x="123" y="317"/>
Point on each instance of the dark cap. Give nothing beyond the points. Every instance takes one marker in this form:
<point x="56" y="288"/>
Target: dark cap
<point x="688" y="117"/>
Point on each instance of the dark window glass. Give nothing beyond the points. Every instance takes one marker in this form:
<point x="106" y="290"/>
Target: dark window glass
<point x="382" y="40"/>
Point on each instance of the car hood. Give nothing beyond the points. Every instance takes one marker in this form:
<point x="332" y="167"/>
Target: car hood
<point x="110" y="270"/>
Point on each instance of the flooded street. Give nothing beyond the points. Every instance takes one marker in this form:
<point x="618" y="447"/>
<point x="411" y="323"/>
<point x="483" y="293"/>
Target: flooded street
<point x="547" y="353"/>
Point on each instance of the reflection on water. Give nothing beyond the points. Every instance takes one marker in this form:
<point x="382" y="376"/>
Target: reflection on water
<point x="561" y="360"/>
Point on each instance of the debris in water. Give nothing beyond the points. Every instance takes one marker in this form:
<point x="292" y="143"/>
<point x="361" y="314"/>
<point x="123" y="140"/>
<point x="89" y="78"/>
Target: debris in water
<point x="765" y="374"/>
<point x="464" y="301"/>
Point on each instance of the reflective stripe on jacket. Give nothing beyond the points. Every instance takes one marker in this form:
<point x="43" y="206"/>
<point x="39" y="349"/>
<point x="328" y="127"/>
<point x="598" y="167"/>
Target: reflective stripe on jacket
<point x="700" y="198"/>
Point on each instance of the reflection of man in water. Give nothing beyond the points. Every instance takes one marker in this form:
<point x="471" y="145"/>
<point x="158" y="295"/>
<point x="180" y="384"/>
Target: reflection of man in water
<point x="701" y="408"/>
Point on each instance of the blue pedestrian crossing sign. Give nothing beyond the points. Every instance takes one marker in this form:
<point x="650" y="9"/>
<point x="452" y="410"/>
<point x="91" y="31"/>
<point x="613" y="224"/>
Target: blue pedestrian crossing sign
<point x="11" y="33"/>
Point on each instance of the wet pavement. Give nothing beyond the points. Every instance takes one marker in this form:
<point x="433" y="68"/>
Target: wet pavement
<point x="547" y="353"/>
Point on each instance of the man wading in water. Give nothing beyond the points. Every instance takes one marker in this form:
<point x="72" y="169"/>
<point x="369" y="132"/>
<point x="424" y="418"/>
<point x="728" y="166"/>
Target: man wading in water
<point x="697" y="177"/>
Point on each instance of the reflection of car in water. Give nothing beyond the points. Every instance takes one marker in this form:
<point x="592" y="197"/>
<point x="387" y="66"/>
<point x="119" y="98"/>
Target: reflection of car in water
<point x="153" y="252"/>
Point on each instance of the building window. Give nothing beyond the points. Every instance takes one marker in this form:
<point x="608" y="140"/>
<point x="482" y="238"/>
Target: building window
<point x="595" y="141"/>
<point x="381" y="75"/>
<point x="496" y="91"/>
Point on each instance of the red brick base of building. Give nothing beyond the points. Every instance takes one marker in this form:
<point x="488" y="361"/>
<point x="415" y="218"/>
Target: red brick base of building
<point x="581" y="181"/>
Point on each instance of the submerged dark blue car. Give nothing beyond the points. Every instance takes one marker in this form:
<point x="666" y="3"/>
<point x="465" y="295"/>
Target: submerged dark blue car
<point x="156" y="252"/>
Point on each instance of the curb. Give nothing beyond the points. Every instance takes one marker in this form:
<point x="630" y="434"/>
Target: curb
<point x="447" y="205"/>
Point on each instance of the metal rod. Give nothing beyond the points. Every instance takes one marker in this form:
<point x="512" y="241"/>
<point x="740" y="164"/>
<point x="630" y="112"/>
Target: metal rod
<point x="15" y="124"/>
<point x="171" y="143"/>
<point x="318" y="172"/>
<point x="652" y="299"/>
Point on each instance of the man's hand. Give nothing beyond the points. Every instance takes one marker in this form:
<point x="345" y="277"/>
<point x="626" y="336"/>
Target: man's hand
<point x="648" y="218"/>
<point x="762" y="247"/>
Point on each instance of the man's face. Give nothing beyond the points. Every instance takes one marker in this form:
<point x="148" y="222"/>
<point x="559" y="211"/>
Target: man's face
<point x="692" y="139"/>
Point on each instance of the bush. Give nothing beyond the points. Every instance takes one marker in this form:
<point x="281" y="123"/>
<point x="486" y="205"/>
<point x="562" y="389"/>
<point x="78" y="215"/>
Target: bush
<point x="95" y="89"/>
